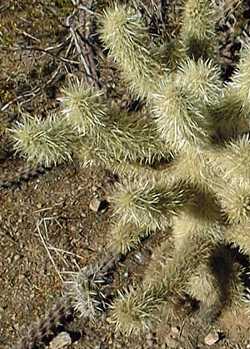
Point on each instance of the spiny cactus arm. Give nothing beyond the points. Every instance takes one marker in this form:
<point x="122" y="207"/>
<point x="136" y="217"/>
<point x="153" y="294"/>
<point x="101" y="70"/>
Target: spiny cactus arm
<point x="144" y="173"/>
<point x="134" y="311"/>
<point x="125" y="237"/>
<point x="139" y="309"/>
<point x="171" y="53"/>
<point x="124" y="35"/>
<point x="45" y="142"/>
<point x="174" y="271"/>
<point x="204" y="286"/>
<point x="148" y="205"/>
<point x="198" y="28"/>
<point x="84" y="107"/>
<point x="219" y="283"/>
<point x="180" y="105"/>
<point x="91" y="155"/>
<point x="202" y="79"/>
<point x="234" y="197"/>
<point x="177" y="273"/>
<point x="229" y="115"/>
<point x="198" y="218"/>
<point x="197" y="166"/>
<point x="236" y="297"/>
<point x="238" y="235"/>
<point x="122" y="138"/>
<point x="240" y="80"/>
<point x="234" y="158"/>
<point x="135" y="141"/>
<point x="84" y="291"/>
<point x="231" y="112"/>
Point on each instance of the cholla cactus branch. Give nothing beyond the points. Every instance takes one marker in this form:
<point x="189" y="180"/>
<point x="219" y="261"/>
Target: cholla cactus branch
<point x="197" y="166"/>
<point x="84" y="290"/>
<point x="198" y="218"/>
<point x="132" y="311"/>
<point x="45" y="142"/>
<point x="240" y="80"/>
<point x="124" y="35"/>
<point x="235" y="157"/>
<point x="84" y="107"/>
<point x="230" y="118"/>
<point x="239" y="236"/>
<point x="231" y="113"/>
<point x="236" y="291"/>
<point x="125" y="237"/>
<point x="204" y="286"/>
<point x="180" y="105"/>
<point x="122" y="140"/>
<point x="235" y="200"/>
<point x="148" y="205"/>
<point x="178" y="271"/>
<point x="198" y="28"/>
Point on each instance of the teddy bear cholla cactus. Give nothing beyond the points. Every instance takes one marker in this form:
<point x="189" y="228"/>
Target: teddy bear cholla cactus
<point x="184" y="163"/>
<point x="46" y="142"/>
<point x="185" y="104"/>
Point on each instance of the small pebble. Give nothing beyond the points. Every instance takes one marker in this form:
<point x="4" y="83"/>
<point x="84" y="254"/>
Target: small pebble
<point x="212" y="338"/>
<point x="16" y="258"/>
<point x="60" y="341"/>
<point x="125" y="274"/>
<point x="95" y="204"/>
<point x="98" y="205"/>
<point x="175" y="330"/>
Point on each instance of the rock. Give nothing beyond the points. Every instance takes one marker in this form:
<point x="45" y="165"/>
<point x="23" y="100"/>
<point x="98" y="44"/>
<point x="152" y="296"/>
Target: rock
<point x="125" y="275"/>
<point x="95" y="204"/>
<point x="212" y="338"/>
<point x="60" y="341"/>
<point x="175" y="330"/>
<point x="98" y="205"/>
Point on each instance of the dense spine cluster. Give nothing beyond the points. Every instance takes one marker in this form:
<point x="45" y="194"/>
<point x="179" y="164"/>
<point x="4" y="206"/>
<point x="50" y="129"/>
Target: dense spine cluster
<point x="45" y="142"/>
<point x="129" y="45"/>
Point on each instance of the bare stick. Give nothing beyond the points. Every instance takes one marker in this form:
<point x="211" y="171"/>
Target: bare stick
<point x="47" y="250"/>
